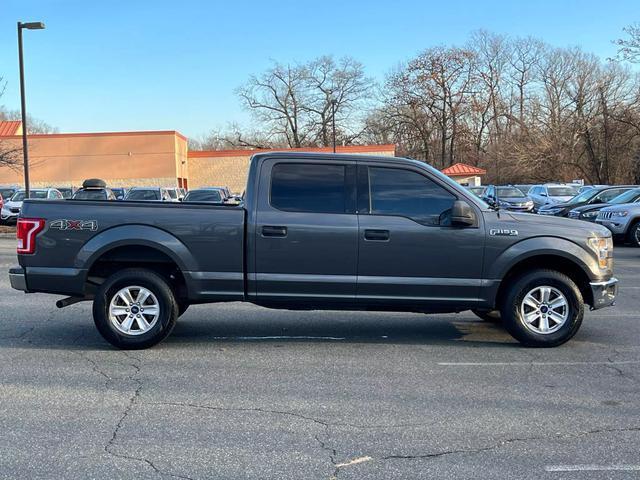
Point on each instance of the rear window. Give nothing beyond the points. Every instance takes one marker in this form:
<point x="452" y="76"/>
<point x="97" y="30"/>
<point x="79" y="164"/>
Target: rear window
<point x="19" y="196"/>
<point x="203" y="196"/>
<point x="143" y="195"/>
<point x="509" y="192"/>
<point x="562" y="191"/>
<point x="90" y="195"/>
<point x="309" y="188"/>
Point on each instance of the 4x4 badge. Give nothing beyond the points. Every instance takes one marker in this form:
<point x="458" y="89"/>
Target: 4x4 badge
<point x="91" y="225"/>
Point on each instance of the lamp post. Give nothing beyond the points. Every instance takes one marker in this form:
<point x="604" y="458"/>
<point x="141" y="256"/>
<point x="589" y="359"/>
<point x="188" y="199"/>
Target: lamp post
<point x="23" y="103"/>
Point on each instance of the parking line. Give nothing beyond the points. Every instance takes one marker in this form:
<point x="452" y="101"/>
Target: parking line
<point x="592" y="468"/>
<point x="528" y="364"/>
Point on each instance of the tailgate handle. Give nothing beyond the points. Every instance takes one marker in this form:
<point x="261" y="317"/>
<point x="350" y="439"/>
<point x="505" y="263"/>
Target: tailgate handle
<point x="273" y="231"/>
<point x="376" y="235"/>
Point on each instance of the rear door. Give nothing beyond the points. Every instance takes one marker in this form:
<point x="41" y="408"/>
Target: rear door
<point x="306" y="237"/>
<point x="409" y="253"/>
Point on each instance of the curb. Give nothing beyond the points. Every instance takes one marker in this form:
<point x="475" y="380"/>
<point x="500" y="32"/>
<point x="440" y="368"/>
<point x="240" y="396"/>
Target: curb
<point x="8" y="235"/>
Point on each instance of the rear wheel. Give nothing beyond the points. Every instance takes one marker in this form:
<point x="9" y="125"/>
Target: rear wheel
<point x="135" y="309"/>
<point x="633" y="236"/>
<point x="543" y="308"/>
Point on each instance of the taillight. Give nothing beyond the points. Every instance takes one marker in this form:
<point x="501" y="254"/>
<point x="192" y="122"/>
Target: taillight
<point x="26" y="232"/>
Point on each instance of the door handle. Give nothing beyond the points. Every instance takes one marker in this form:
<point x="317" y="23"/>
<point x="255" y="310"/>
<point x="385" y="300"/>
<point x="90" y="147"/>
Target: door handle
<point x="376" y="235"/>
<point x="273" y="231"/>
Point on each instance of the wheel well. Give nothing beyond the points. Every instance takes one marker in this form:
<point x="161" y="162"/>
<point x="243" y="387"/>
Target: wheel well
<point x="136" y="256"/>
<point x="548" y="262"/>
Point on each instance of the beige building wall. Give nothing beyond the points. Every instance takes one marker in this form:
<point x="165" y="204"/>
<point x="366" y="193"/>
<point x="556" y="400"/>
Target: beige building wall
<point x="231" y="167"/>
<point x="122" y="159"/>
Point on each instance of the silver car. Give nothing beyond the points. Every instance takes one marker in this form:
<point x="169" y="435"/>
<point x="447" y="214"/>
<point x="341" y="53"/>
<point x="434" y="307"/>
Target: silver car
<point x="552" y="193"/>
<point x="11" y="208"/>
<point x="623" y="220"/>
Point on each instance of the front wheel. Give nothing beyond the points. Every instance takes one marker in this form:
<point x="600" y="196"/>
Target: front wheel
<point x="633" y="237"/>
<point x="134" y="309"/>
<point x="542" y="308"/>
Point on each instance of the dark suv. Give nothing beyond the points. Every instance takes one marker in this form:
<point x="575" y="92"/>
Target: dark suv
<point x="508" y="197"/>
<point x="593" y="196"/>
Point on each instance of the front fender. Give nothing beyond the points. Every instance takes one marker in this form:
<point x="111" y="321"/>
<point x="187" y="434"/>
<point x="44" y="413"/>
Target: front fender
<point x="537" y="246"/>
<point x="140" y="235"/>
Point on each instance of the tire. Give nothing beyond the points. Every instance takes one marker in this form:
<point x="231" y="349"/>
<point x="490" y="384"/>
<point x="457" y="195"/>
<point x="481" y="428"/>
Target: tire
<point x="529" y="289"/>
<point x="492" y="316"/>
<point x="633" y="235"/>
<point x="119" y="293"/>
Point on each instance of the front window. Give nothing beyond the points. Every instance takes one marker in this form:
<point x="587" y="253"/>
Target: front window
<point x="143" y="195"/>
<point x="568" y="191"/>
<point x="608" y="195"/>
<point x="309" y="187"/>
<point x="409" y="194"/>
<point x="7" y="192"/>
<point x="509" y="192"/>
<point x="172" y="194"/>
<point x="20" y="196"/>
<point x="629" y="196"/>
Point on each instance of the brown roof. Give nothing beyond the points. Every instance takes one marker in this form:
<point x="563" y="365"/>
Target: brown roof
<point x="9" y="127"/>
<point x="390" y="148"/>
<point x="460" y="169"/>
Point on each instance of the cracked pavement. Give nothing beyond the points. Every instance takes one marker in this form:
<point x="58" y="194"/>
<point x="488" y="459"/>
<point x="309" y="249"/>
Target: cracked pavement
<point x="352" y="395"/>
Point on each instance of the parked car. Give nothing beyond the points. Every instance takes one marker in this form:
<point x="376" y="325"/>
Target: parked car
<point x="479" y="191"/>
<point x="318" y="231"/>
<point x="584" y="188"/>
<point x="94" y="189"/>
<point x="150" y="194"/>
<point x="508" y="197"/>
<point x="589" y="212"/>
<point x="67" y="192"/>
<point x="120" y="192"/>
<point x="550" y="193"/>
<point x="8" y="191"/>
<point x="12" y="207"/>
<point x="592" y="196"/>
<point x="623" y="221"/>
<point x="207" y="195"/>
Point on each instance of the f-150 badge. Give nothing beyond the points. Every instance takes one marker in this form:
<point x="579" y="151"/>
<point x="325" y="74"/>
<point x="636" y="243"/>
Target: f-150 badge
<point x="503" y="232"/>
<point x="91" y="225"/>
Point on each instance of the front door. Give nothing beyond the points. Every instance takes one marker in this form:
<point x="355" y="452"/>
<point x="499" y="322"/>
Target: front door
<point x="410" y="254"/>
<point x="306" y="237"/>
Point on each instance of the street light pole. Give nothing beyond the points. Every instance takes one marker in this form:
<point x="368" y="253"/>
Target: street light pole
<point x="23" y="102"/>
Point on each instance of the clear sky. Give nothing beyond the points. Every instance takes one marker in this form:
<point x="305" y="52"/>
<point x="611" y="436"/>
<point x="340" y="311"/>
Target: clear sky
<point x="146" y="65"/>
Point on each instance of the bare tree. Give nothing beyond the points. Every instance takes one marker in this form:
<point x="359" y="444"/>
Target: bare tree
<point x="629" y="47"/>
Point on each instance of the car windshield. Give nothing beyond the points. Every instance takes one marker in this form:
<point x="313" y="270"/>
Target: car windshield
<point x="629" y="196"/>
<point x="19" y="196"/>
<point x="90" y="195"/>
<point x="523" y="188"/>
<point x="118" y="192"/>
<point x="7" y="192"/>
<point x="584" y="196"/>
<point x="564" y="191"/>
<point x="509" y="192"/>
<point x="203" y="196"/>
<point x="66" y="192"/>
<point x="143" y="195"/>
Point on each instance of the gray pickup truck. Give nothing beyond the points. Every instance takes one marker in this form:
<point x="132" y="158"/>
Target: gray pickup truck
<point x="318" y="231"/>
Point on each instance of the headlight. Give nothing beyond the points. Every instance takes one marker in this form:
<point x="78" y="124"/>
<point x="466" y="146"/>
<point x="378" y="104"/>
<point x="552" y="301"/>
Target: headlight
<point x="603" y="248"/>
<point x="590" y="214"/>
<point x="528" y="204"/>
<point x="621" y="213"/>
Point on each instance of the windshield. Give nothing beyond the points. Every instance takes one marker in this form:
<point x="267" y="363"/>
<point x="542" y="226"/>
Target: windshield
<point x="19" y="196"/>
<point x="66" y="192"/>
<point x="523" y="188"/>
<point x="143" y="195"/>
<point x="203" y="196"/>
<point x="90" y="195"/>
<point x="7" y="192"/>
<point x="509" y="192"/>
<point x="629" y="196"/>
<point x="584" y="196"/>
<point x="567" y="191"/>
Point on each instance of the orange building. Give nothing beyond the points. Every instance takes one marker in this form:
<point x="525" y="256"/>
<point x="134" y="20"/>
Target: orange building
<point x="126" y="159"/>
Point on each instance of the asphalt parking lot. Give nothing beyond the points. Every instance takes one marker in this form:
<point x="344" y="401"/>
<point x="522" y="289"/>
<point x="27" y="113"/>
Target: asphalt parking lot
<point x="241" y="392"/>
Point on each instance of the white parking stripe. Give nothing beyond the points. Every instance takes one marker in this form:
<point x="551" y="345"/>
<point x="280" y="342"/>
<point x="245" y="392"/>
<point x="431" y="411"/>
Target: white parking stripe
<point x="592" y="468"/>
<point x="528" y="364"/>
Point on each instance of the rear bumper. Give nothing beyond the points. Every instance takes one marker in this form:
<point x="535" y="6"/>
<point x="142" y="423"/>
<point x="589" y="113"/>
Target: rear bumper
<point x="604" y="293"/>
<point x="17" y="279"/>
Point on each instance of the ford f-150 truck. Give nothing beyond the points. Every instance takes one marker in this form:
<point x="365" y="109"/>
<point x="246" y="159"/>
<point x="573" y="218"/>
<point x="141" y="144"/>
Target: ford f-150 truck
<point x="318" y="231"/>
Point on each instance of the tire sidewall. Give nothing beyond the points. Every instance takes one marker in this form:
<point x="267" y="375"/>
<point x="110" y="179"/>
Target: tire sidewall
<point x="633" y="234"/>
<point x="148" y="280"/>
<point x="514" y="322"/>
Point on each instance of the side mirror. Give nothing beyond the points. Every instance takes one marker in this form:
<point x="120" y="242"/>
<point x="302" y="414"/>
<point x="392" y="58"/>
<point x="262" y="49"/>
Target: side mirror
<point x="542" y="194"/>
<point x="462" y="215"/>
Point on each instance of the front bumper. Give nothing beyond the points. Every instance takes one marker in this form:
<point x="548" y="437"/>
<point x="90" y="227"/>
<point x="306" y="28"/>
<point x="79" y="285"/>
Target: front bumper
<point x="18" y="279"/>
<point x="617" y="227"/>
<point x="604" y="293"/>
<point x="554" y="213"/>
